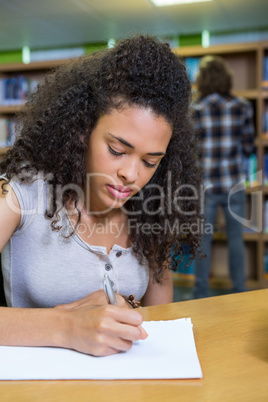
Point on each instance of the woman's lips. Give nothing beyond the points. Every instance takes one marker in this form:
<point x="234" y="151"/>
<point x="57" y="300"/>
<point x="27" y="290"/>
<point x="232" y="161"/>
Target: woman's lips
<point x="119" y="191"/>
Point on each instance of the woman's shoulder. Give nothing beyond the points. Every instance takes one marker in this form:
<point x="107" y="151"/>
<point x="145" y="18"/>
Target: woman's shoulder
<point x="29" y="196"/>
<point x="27" y="189"/>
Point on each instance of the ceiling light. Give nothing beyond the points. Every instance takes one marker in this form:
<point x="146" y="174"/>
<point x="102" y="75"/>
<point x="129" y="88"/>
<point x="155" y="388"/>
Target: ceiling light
<point x="205" y="38"/>
<point x="26" y="55"/>
<point x="111" y="43"/>
<point x="163" y="3"/>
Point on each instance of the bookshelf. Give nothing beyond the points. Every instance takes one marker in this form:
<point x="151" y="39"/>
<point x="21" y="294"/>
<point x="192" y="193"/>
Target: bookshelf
<point x="249" y="64"/>
<point x="16" y="80"/>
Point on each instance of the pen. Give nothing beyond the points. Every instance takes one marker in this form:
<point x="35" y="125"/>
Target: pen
<point x="109" y="290"/>
<point x="110" y="296"/>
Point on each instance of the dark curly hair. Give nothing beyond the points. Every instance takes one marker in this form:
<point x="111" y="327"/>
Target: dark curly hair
<point x="59" y="116"/>
<point x="214" y="76"/>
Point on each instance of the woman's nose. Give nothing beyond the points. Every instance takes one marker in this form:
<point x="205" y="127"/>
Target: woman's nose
<point x="129" y="171"/>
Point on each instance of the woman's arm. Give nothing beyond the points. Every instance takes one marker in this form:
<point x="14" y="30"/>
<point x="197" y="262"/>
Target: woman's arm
<point x="159" y="293"/>
<point x="99" y="330"/>
<point x="93" y="329"/>
<point x="10" y="214"/>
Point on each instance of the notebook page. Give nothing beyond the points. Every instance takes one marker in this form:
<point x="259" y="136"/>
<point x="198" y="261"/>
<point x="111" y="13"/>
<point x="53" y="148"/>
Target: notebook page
<point x="168" y="352"/>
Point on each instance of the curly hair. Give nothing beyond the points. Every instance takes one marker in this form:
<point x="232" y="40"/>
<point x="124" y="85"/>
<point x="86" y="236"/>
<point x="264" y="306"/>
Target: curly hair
<point x="214" y="76"/>
<point x="58" y="118"/>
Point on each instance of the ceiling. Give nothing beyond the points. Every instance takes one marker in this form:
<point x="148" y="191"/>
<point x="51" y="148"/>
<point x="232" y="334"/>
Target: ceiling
<point x="54" y="23"/>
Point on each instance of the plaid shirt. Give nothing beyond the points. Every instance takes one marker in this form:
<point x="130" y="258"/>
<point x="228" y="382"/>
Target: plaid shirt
<point x="226" y="129"/>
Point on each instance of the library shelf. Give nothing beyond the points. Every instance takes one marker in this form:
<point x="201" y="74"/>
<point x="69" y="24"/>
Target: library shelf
<point x="10" y="109"/>
<point x="264" y="142"/>
<point x="255" y="187"/>
<point x="264" y="94"/>
<point x="235" y="48"/>
<point x="225" y="283"/>
<point x="17" y="80"/>
<point x="32" y="67"/>
<point x="220" y="282"/>
<point x="248" y="236"/>
<point x="251" y="94"/>
<point x="247" y="62"/>
<point x="3" y="150"/>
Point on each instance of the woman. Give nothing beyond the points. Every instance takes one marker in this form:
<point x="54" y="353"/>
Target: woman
<point x="104" y="160"/>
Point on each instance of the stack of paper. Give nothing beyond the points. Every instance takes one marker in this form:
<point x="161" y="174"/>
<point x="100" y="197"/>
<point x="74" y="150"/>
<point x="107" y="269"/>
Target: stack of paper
<point x="168" y="352"/>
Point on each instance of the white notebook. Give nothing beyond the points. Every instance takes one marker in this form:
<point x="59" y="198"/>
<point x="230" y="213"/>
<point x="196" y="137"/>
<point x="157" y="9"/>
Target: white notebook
<point x="168" y="352"/>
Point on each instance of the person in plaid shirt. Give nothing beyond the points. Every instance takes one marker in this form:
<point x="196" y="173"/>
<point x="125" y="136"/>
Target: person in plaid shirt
<point x="226" y="131"/>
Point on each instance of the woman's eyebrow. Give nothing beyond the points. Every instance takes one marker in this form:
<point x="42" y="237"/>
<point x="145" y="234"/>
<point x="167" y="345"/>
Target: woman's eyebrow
<point x="124" y="142"/>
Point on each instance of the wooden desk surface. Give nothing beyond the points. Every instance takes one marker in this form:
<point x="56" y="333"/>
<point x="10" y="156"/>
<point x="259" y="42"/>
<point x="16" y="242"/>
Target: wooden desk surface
<point x="231" y="334"/>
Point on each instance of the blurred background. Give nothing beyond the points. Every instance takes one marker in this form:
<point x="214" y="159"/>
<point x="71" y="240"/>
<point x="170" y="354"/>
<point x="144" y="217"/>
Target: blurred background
<point x="36" y="35"/>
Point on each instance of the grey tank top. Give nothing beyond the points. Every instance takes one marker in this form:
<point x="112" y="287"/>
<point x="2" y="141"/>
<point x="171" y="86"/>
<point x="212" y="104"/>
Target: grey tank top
<point x="41" y="268"/>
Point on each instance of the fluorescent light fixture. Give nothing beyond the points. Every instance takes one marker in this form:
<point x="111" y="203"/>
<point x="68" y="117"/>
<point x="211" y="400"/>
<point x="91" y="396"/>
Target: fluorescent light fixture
<point x="163" y="3"/>
<point x="26" y="55"/>
<point x="111" y="43"/>
<point x="205" y="38"/>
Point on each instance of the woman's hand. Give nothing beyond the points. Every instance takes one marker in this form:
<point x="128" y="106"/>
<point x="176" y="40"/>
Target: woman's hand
<point x="96" y="298"/>
<point x="92" y="326"/>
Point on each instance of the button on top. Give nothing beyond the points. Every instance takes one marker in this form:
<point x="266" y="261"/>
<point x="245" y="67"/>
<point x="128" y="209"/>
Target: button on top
<point x="108" y="267"/>
<point x="118" y="254"/>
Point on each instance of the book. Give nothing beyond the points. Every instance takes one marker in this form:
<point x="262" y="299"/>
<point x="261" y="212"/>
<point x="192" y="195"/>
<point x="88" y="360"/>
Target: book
<point x="265" y="122"/>
<point x="3" y="132"/>
<point x="265" y="72"/>
<point x="192" y="67"/>
<point x="183" y="266"/>
<point x="15" y="90"/>
<point x="253" y="168"/>
<point x="7" y="132"/>
<point x="265" y="169"/>
<point x="265" y="228"/>
<point x="265" y="264"/>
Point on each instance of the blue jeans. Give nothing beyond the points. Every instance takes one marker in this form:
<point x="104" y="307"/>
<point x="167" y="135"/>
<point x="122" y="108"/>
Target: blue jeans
<point x="234" y="232"/>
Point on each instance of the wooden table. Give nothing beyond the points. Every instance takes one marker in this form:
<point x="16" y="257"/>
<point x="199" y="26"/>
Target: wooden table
<point x="231" y="334"/>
